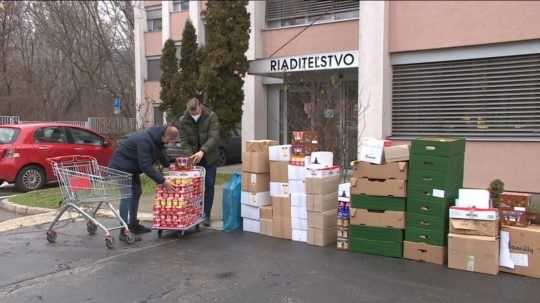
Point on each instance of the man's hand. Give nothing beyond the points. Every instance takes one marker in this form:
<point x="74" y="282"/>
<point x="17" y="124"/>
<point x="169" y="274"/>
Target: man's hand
<point x="169" y="186"/>
<point x="197" y="157"/>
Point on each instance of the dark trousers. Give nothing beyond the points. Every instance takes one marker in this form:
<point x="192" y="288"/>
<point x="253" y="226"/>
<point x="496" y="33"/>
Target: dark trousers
<point x="129" y="207"/>
<point x="209" y="183"/>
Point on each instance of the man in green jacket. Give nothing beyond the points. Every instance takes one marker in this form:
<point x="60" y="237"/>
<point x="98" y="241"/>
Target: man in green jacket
<point x="199" y="139"/>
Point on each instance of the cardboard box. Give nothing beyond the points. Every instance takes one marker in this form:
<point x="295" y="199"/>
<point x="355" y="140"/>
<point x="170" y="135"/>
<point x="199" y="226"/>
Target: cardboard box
<point x="279" y="190"/>
<point x="266" y="212"/>
<point x="259" y="145"/>
<point x="300" y="224"/>
<point x="322" y="185"/>
<point x="473" y="253"/>
<point x="487" y="214"/>
<point x="296" y="172"/>
<point x="255" y="183"/>
<point x="281" y="228"/>
<point x="266" y="227"/>
<point x="280" y="153"/>
<point x="279" y="171"/>
<point x="281" y="208"/>
<point x="253" y="226"/>
<point x="321" y="159"/>
<point x="322" y="220"/>
<point x="297" y="187"/>
<point x="322" y="237"/>
<point x="424" y="252"/>
<point x="321" y="203"/>
<point x="371" y="150"/>
<point x="312" y="172"/>
<point x="474" y="227"/>
<point x="385" y="218"/>
<point x="299" y="235"/>
<point x="256" y="199"/>
<point x="250" y="212"/>
<point x="299" y="200"/>
<point x="395" y="170"/>
<point x="255" y="162"/>
<point x="299" y="212"/>
<point x="396" y="153"/>
<point x="522" y="248"/>
<point x="389" y="187"/>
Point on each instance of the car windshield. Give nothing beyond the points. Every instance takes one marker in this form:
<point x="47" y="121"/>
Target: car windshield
<point x="8" y="135"/>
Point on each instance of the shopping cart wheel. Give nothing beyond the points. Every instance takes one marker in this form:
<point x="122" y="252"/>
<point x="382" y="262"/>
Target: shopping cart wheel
<point x="51" y="236"/>
<point x="109" y="242"/>
<point x="159" y="233"/>
<point x="197" y="227"/>
<point x="91" y="227"/>
<point x="130" y="238"/>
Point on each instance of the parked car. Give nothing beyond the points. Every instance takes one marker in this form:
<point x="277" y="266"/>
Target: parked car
<point x="24" y="149"/>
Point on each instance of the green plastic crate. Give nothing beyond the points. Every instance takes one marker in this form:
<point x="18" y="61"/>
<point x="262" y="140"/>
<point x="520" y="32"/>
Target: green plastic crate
<point x="380" y="248"/>
<point x="429" y="236"/>
<point x="437" y="209"/>
<point x="444" y="147"/>
<point x="432" y="194"/>
<point x="378" y="203"/>
<point x="376" y="233"/>
<point x="427" y="222"/>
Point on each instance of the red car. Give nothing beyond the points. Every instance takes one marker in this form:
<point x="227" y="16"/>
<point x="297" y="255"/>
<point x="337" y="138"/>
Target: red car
<point x="24" y="149"/>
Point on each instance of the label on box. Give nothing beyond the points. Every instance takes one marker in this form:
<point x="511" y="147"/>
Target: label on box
<point x="371" y="150"/>
<point x="488" y="214"/>
<point x="253" y="179"/>
<point x="285" y="188"/>
<point x="470" y="263"/>
<point x="520" y="259"/>
<point x="438" y="193"/>
<point x="313" y="172"/>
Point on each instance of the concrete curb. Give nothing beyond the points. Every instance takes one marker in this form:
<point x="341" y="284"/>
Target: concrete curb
<point x="22" y="209"/>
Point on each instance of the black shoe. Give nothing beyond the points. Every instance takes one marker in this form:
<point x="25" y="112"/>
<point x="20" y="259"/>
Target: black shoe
<point x="206" y="222"/>
<point x="139" y="229"/>
<point x="123" y="237"/>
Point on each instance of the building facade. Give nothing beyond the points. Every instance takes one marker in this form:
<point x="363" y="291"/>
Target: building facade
<point x="398" y="70"/>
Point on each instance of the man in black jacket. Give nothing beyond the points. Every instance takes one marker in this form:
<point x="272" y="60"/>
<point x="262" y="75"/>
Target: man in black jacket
<point x="137" y="155"/>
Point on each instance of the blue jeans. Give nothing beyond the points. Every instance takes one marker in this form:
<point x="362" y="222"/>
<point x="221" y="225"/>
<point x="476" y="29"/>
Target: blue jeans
<point x="209" y="183"/>
<point x="129" y="207"/>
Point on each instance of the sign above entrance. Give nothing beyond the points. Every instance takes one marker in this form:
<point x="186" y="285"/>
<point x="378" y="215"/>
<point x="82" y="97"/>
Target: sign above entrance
<point x="312" y="62"/>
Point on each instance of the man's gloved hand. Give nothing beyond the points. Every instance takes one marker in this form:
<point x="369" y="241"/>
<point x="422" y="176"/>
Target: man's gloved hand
<point x="197" y="157"/>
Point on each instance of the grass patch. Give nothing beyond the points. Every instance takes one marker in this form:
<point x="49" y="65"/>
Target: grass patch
<point x="49" y="198"/>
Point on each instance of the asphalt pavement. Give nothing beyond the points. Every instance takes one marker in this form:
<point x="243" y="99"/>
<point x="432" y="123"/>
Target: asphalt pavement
<point x="212" y="266"/>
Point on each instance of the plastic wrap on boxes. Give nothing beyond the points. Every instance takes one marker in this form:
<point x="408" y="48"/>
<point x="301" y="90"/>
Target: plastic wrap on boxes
<point x="299" y="212"/>
<point x="299" y="224"/>
<point x="299" y="235"/>
<point x="299" y="200"/>
<point x="250" y="212"/>
<point x="253" y="226"/>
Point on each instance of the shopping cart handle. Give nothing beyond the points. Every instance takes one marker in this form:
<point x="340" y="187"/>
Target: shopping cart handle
<point x="72" y="158"/>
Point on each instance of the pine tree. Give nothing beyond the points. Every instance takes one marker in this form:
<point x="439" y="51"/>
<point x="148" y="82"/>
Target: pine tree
<point x="225" y="64"/>
<point x="169" y="77"/>
<point x="189" y="69"/>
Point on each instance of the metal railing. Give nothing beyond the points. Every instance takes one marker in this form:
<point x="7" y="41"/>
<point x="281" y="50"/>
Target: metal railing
<point x="9" y="120"/>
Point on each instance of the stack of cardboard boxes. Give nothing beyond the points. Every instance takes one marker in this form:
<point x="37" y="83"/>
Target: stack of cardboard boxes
<point x="377" y="214"/>
<point x="343" y="216"/>
<point x="322" y="181"/>
<point x="280" y="155"/>
<point x="435" y="176"/>
<point x="255" y="183"/>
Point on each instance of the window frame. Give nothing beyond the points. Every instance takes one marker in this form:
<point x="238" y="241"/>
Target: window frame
<point x="180" y="3"/>
<point x="71" y="137"/>
<point x="148" y="59"/>
<point x="63" y="131"/>
<point x="151" y="22"/>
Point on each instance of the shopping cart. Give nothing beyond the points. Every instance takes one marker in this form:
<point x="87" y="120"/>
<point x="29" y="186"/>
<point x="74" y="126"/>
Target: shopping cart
<point x="181" y="209"/>
<point x="84" y="183"/>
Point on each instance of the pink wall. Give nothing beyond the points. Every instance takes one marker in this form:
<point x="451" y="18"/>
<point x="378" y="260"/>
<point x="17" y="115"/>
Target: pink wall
<point x="178" y="21"/>
<point x="417" y="25"/>
<point x="151" y="90"/>
<point x="151" y="3"/>
<point x="321" y="38"/>
<point x="152" y="44"/>
<point x="516" y="163"/>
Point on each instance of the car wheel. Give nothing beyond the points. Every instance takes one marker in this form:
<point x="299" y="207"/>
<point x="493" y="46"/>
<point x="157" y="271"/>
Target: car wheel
<point x="30" y="178"/>
<point x="222" y="157"/>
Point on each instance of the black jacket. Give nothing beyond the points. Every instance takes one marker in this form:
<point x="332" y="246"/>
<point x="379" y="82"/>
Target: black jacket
<point x="140" y="151"/>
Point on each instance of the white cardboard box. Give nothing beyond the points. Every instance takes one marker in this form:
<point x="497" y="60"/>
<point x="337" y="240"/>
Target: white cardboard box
<point x="279" y="153"/>
<point x="299" y="235"/>
<point x="371" y="150"/>
<point x="297" y="172"/>
<point x="484" y="214"/>
<point x="279" y="190"/>
<point x="297" y="186"/>
<point x="250" y="212"/>
<point x="321" y="160"/>
<point x="253" y="226"/>
<point x="299" y="224"/>
<point x="299" y="200"/>
<point x="478" y="198"/>
<point x="256" y="199"/>
<point x="299" y="212"/>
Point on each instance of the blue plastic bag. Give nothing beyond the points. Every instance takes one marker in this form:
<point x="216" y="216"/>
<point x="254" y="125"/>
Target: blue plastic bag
<point x="231" y="203"/>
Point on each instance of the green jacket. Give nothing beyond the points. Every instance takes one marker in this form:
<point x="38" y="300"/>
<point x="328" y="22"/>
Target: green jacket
<point x="203" y="134"/>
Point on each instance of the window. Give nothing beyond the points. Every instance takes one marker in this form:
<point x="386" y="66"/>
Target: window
<point x="488" y="98"/>
<point x="158" y="116"/>
<point x="153" y="19"/>
<point x="182" y="5"/>
<point x="178" y="48"/>
<point x="79" y="136"/>
<point x="153" y="69"/>
<point x="281" y="13"/>
<point x="8" y="135"/>
<point x="50" y="135"/>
